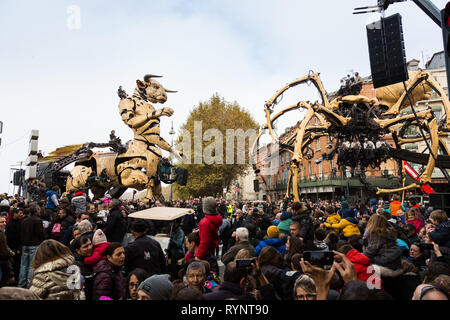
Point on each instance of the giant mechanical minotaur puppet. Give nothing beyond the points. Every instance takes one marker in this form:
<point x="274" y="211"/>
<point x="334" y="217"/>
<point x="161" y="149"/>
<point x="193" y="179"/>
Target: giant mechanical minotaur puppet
<point x="360" y="125"/>
<point x="132" y="166"/>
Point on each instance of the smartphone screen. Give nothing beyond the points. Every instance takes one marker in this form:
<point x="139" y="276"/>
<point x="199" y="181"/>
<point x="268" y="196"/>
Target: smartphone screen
<point x="322" y="259"/>
<point x="243" y="263"/>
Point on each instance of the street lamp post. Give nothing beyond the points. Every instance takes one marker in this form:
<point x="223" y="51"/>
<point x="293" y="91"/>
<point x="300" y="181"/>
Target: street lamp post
<point x="171" y="132"/>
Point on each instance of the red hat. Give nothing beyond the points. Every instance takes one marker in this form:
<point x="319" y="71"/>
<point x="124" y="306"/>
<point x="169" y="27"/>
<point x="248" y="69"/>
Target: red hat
<point x="78" y="194"/>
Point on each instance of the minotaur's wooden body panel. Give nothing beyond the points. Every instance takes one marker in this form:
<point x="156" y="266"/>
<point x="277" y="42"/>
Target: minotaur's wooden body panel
<point x="391" y="100"/>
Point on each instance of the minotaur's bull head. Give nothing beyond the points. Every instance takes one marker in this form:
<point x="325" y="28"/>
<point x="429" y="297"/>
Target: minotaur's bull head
<point x="152" y="89"/>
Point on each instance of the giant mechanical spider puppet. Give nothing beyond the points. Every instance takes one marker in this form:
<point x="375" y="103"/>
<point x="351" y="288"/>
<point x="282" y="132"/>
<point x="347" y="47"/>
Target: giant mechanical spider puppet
<point x="359" y="126"/>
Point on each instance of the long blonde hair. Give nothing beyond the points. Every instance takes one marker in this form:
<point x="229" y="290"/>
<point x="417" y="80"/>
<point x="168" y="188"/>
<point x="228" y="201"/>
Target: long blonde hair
<point x="379" y="227"/>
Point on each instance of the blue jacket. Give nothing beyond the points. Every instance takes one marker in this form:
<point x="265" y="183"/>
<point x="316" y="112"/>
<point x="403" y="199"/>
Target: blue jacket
<point x="274" y="242"/>
<point x="50" y="204"/>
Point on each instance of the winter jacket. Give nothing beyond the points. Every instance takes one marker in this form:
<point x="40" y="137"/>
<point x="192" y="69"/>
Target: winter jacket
<point x="98" y="254"/>
<point x="227" y="290"/>
<point x="418" y="223"/>
<point x="66" y="229"/>
<point x="285" y="222"/>
<point x="278" y="244"/>
<point x="396" y="206"/>
<point x="231" y="254"/>
<point x="349" y="226"/>
<point x="275" y="276"/>
<point x="385" y="253"/>
<point x="52" y="200"/>
<point x="115" y="227"/>
<point x="79" y="204"/>
<point x="32" y="231"/>
<point x="334" y="218"/>
<point x="5" y="251"/>
<point x="208" y="229"/>
<point x="442" y="234"/>
<point x="360" y="263"/>
<point x="12" y="232"/>
<point x="145" y="253"/>
<point x="88" y="275"/>
<point x="50" y="280"/>
<point x="108" y="281"/>
<point x="373" y="206"/>
<point x="176" y="244"/>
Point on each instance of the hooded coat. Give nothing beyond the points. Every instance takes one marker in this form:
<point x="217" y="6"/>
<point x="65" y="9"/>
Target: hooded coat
<point x="361" y="264"/>
<point x="108" y="281"/>
<point x="52" y="196"/>
<point x="79" y="203"/>
<point x="278" y="244"/>
<point x="348" y="225"/>
<point x="384" y="252"/>
<point x="50" y="280"/>
<point x="418" y="223"/>
<point x="208" y="230"/>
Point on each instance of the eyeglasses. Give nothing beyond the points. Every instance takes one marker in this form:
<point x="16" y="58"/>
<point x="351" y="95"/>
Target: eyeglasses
<point x="133" y="284"/>
<point x="310" y="296"/>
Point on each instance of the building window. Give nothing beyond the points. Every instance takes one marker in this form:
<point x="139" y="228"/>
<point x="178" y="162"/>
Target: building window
<point x="310" y="168"/>
<point x="320" y="169"/>
<point x="318" y="144"/>
<point x="288" y="157"/>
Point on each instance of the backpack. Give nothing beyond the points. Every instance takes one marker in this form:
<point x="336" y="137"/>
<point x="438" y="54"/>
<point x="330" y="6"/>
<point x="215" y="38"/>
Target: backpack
<point x="56" y="231"/>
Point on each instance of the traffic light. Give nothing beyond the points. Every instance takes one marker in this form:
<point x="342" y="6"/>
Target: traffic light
<point x="445" y="25"/>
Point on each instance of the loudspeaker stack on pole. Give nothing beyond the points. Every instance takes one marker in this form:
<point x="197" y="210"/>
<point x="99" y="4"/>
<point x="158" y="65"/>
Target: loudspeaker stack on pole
<point x="31" y="163"/>
<point x="387" y="51"/>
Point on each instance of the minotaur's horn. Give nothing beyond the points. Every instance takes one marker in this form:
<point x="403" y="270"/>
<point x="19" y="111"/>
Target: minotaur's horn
<point x="170" y="91"/>
<point x="148" y="76"/>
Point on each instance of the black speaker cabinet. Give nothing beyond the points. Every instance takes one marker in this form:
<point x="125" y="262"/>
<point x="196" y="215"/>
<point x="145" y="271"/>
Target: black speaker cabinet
<point x="387" y="51"/>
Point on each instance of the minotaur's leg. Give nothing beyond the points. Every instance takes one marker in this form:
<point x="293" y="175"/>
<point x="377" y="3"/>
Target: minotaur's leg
<point x="295" y="170"/>
<point x="288" y="184"/>
<point x="426" y="176"/>
<point x="130" y="173"/>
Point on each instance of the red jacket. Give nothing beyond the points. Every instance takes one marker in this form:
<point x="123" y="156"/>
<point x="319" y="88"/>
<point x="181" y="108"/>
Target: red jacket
<point x="418" y="223"/>
<point x="208" y="230"/>
<point x="98" y="254"/>
<point x="361" y="263"/>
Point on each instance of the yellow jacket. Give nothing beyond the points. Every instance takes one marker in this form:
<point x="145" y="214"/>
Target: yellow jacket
<point x="334" y="218"/>
<point x="348" y="227"/>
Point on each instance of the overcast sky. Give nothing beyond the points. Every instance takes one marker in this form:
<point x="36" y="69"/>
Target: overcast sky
<point x="63" y="81"/>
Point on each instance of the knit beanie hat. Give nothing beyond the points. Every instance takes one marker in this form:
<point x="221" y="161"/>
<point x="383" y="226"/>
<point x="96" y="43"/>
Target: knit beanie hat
<point x="158" y="287"/>
<point x="209" y="205"/>
<point x="344" y="205"/>
<point x="99" y="237"/>
<point x="273" y="232"/>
